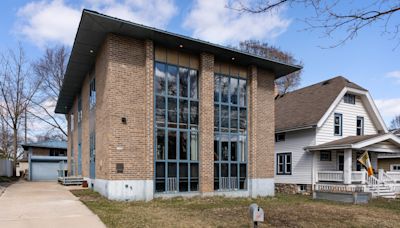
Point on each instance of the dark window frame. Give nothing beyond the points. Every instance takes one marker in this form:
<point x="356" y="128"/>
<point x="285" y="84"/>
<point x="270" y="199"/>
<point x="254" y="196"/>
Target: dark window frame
<point x="92" y="93"/>
<point x="176" y="174"/>
<point x="230" y="169"/>
<point x="349" y="99"/>
<point x="280" y="139"/>
<point x="339" y="125"/>
<point x="327" y="157"/>
<point x="360" y="129"/>
<point x="284" y="163"/>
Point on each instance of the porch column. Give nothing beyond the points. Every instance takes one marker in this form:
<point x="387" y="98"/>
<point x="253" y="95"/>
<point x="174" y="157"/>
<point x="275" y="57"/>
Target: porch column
<point x="347" y="166"/>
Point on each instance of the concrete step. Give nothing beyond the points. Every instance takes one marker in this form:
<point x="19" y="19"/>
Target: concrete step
<point x="389" y="197"/>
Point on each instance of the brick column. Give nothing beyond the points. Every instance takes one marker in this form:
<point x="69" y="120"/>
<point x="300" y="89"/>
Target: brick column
<point x="261" y="132"/>
<point x="206" y="119"/>
<point x="149" y="61"/>
<point x="252" y="136"/>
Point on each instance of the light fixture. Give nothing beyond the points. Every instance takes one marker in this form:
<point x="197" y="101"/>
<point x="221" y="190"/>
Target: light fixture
<point x="233" y="58"/>
<point x="181" y="45"/>
<point x="91" y="51"/>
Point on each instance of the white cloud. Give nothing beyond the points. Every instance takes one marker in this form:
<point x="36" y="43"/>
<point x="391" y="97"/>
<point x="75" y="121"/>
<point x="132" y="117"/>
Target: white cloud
<point x="395" y="75"/>
<point x="56" y="21"/>
<point x="43" y="22"/>
<point x="211" y="20"/>
<point x="388" y="108"/>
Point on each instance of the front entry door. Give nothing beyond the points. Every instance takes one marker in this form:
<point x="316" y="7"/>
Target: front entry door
<point x="340" y="162"/>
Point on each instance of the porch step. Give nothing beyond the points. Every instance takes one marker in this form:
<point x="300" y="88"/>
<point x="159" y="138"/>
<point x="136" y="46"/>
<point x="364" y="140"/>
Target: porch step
<point x="70" y="180"/>
<point x="382" y="191"/>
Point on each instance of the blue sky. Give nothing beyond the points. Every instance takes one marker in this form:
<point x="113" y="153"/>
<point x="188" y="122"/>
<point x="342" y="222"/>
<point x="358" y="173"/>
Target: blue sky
<point x="369" y="60"/>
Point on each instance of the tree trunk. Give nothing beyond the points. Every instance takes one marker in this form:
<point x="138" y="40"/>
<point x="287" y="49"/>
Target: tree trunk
<point x="15" y="142"/>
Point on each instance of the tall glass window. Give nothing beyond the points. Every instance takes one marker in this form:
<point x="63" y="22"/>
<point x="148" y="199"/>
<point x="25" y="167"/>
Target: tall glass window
<point x="230" y="133"/>
<point x="176" y="128"/>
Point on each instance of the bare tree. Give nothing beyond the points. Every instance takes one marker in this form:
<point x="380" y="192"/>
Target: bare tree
<point x="17" y="89"/>
<point x="5" y="137"/>
<point x="51" y="68"/>
<point x="336" y="16"/>
<point x="395" y="123"/>
<point x="285" y="84"/>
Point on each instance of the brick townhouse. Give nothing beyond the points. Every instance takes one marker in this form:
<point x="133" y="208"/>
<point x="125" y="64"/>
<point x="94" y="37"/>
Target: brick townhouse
<point x="157" y="114"/>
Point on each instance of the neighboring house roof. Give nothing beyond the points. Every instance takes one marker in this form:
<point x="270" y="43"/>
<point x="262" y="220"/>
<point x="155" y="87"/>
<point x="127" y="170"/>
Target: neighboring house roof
<point x="396" y="131"/>
<point x="94" y="27"/>
<point x="358" y="142"/>
<point x="47" y="144"/>
<point x="305" y="107"/>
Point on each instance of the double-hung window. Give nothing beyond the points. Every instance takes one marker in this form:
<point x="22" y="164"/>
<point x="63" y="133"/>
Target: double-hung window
<point x="230" y="133"/>
<point x="338" y="124"/>
<point x="325" y="156"/>
<point x="360" y="125"/>
<point x="284" y="163"/>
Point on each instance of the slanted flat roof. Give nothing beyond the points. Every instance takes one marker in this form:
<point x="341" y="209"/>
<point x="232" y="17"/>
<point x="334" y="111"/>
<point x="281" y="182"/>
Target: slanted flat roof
<point x="46" y="144"/>
<point x="94" y="27"/>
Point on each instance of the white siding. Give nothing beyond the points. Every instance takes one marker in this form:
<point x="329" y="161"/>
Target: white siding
<point x="349" y="113"/>
<point x="301" y="160"/>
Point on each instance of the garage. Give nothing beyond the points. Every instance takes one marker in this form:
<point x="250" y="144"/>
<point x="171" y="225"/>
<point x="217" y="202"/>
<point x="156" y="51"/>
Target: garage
<point x="44" y="170"/>
<point x="45" y="160"/>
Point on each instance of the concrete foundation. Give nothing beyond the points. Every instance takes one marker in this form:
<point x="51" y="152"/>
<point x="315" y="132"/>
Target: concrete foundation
<point x="124" y="190"/>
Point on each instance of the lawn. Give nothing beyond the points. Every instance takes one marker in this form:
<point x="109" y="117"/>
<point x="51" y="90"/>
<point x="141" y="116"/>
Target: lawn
<point x="281" y="211"/>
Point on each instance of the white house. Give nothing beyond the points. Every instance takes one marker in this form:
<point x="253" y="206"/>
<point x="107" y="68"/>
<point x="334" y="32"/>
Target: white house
<point x="321" y="130"/>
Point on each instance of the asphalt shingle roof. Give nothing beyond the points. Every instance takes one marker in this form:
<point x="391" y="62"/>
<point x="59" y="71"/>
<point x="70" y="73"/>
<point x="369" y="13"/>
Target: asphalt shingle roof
<point x="306" y="106"/>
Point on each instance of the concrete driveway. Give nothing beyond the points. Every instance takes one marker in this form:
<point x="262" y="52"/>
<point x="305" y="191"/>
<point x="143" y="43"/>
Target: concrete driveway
<point x="44" y="204"/>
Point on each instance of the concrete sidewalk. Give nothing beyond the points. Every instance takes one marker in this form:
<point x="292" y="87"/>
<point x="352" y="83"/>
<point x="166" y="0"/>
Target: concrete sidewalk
<point x="44" y="204"/>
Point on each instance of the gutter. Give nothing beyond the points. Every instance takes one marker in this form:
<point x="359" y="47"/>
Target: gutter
<point x="296" y="129"/>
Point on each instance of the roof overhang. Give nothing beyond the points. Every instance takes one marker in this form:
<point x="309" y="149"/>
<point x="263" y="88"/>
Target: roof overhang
<point x="94" y="27"/>
<point x="362" y="145"/>
<point x="49" y="158"/>
<point x="295" y="129"/>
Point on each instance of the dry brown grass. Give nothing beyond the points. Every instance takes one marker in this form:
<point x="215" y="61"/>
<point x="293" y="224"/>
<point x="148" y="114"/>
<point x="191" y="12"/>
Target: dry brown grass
<point x="281" y="211"/>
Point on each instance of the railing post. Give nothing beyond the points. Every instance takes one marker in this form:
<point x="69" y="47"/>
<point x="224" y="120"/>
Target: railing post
<point x="363" y="176"/>
<point x="380" y="175"/>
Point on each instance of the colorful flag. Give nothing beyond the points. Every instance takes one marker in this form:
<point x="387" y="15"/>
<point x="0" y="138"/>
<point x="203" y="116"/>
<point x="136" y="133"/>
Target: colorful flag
<point x="364" y="160"/>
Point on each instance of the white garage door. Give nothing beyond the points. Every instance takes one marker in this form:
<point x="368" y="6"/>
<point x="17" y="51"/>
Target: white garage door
<point x="44" y="171"/>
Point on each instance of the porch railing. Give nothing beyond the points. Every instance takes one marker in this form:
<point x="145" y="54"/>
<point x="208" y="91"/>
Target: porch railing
<point x="330" y="176"/>
<point x="394" y="175"/>
<point x="337" y="176"/>
<point x="358" y="176"/>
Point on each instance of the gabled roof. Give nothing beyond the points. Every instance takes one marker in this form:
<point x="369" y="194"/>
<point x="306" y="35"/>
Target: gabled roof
<point x="46" y="144"/>
<point x="359" y="142"/>
<point x="94" y="27"/>
<point x="305" y="107"/>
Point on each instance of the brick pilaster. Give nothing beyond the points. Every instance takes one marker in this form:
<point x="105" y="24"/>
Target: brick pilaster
<point x="206" y="142"/>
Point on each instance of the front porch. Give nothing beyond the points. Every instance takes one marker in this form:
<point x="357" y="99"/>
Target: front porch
<point x="335" y="168"/>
